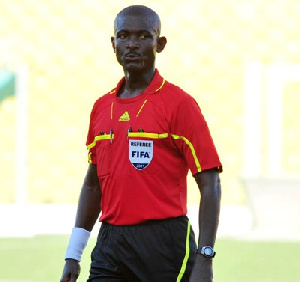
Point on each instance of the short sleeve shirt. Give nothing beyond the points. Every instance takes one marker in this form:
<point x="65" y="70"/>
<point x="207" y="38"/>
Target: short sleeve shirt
<point x="143" y="148"/>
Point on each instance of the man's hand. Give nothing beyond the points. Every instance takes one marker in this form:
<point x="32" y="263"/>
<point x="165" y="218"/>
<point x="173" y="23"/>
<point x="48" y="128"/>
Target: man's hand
<point x="71" y="271"/>
<point x="202" y="271"/>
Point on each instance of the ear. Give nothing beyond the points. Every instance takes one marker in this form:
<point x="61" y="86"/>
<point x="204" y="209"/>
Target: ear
<point x="112" y="40"/>
<point x="161" y="43"/>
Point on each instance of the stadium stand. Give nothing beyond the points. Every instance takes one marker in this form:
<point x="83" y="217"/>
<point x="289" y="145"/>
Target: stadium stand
<point x="66" y="46"/>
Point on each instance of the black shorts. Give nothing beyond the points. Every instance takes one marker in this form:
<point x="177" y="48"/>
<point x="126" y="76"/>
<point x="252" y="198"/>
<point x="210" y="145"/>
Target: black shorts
<point x="154" y="251"/>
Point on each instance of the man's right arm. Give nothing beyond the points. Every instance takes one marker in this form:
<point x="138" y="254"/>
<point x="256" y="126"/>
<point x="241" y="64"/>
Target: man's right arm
<point x="89" y="200"/>
<point x="87" y="213"/>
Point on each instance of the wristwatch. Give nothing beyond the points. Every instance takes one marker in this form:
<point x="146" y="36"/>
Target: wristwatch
<point x="206" y="251"/>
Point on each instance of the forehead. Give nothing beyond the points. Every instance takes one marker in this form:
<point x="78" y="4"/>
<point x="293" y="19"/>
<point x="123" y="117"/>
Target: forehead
<point x="135" y="22"/>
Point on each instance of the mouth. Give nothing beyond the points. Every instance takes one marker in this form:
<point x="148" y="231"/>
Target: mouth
<point x="132" y="56"/>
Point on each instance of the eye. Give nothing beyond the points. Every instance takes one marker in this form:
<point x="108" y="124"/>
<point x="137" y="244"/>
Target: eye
<point x="122" y="35"/>
<point x="144" y="36"/>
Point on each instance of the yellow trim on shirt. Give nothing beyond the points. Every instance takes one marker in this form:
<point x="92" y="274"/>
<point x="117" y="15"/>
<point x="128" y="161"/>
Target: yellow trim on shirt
<point x="111" y="110"/>
<point x="191" y="148"/>
<point x="98" y="138"/>
<point x="148" y="135"/>
<point x="141" y="108"/>
<point x="160" y="87"/>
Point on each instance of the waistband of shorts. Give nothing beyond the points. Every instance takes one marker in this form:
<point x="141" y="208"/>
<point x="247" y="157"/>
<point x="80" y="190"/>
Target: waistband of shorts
<point x="151" y="221"/>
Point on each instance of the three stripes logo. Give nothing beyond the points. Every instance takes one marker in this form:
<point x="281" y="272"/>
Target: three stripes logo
<point x="124" y="117"/>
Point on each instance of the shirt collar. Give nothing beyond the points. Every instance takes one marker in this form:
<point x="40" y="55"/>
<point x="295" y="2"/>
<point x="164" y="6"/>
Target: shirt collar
<point x="155" y="85"/>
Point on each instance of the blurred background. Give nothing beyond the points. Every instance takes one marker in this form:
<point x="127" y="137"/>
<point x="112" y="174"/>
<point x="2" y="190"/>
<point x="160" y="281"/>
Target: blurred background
<point x="240" y="59"/>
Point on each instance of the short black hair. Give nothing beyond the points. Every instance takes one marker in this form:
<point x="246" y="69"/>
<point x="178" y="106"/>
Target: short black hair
<point x="134" y="10"/>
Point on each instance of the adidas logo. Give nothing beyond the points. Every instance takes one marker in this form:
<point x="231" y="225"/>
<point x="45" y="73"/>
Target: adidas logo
<point x="124" y="117"/>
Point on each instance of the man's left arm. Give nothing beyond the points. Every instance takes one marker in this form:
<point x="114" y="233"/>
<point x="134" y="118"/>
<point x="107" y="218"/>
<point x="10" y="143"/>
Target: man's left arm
<point x="210" y="188"/>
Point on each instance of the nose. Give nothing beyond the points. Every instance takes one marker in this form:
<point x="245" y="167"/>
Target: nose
<point x="132" y="43"/>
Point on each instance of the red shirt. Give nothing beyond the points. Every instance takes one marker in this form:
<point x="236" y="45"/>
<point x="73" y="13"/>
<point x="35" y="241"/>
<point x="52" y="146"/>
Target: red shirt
<point x="143" y="148"/>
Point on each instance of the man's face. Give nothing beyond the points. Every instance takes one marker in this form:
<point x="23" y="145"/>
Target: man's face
<point x="135" y="42"/>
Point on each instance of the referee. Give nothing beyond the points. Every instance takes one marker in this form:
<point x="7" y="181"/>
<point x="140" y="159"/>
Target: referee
<point x="143" y="137"/>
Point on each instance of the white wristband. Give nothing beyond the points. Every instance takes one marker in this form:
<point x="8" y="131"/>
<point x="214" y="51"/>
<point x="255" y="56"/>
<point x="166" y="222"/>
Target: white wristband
<point x="77" y="243"/>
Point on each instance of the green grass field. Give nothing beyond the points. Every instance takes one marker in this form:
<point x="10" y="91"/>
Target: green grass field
<point x="41" y="259"/>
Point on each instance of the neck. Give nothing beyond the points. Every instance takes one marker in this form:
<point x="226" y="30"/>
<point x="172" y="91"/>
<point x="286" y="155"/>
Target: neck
<point x="136" y="83"/>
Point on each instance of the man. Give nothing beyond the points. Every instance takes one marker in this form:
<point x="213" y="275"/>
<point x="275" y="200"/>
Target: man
<point x="143" y="137"/>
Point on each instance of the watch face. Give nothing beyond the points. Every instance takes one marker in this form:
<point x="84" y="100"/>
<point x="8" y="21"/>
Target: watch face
<point x="208" y="251"/>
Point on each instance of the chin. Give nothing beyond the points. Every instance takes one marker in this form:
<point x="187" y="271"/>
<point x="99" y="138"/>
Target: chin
<point x="133" y="67"/>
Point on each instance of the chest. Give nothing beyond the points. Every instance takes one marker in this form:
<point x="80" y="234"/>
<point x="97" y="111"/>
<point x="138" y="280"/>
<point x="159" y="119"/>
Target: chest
<point x="122" y="118"/>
